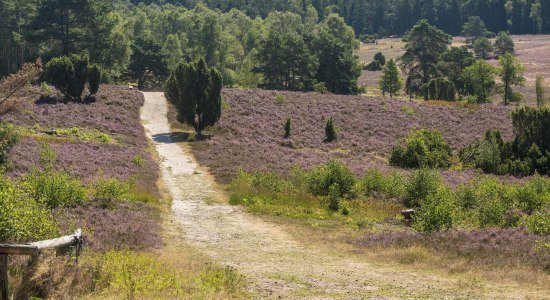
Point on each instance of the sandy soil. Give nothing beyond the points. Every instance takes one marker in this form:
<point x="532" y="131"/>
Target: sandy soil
<point x="276" y="265"/>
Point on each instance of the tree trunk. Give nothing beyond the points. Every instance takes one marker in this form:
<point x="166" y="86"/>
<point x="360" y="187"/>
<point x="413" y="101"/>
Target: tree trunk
<point x="506" y="93"/>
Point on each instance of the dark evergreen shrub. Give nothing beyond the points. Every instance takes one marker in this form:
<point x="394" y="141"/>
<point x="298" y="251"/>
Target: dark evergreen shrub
<point x="380" y="58"/>
<point x="94" y="78"/>
<point x="330" y="131"/>
<point x="528" y="153"/>
<point x="373" y="66"/>
<point x="69" y="75"/>
<point x="288" y="127"/>
<point x="441" y="89"/>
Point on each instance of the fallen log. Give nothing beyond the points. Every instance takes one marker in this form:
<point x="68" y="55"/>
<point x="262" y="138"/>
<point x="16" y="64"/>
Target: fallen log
<point x="33" y="249"/>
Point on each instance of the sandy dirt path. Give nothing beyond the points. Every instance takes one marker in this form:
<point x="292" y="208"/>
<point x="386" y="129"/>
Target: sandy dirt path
<point x="276" y="265"/>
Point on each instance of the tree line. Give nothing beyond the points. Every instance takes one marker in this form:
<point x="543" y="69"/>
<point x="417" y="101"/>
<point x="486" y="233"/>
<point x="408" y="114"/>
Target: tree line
<point x="397" y="16"/>
<point x="143" y="42"/>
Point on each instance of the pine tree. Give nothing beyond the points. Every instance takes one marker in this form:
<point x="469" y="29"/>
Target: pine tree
<point x="504" y="43"/>
<point x="424" y="44"/>
<point x="391" y="82"/>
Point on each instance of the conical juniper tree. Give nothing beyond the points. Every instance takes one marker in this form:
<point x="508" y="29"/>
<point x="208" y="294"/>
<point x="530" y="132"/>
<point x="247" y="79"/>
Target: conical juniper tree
<point x="195" y="91"/>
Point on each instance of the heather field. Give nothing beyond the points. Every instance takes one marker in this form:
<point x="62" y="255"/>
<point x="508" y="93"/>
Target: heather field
<point x="249" y="135"/>
<point x="103" y="137"/>
<point x="103" y="166"/>
<point x="533" y="51"/>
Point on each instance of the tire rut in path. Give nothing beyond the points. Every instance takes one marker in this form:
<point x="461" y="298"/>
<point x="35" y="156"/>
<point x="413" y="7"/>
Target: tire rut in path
<point x="275" y="264"/>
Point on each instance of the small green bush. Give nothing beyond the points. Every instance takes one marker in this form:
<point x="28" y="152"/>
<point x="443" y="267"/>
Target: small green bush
<point x="288" y="128"/>
<point x="22" y="218"/>
<point x="111" y="189"/>
<point x="8" y="139"/>
<point x="55" y="189"/>
<point x="437" y="211"/>
<point x="330" y="131"/>
<point x="334" y="197"/>
<point x="269" y="182"/>
<point x="534" y="194"/>
<point x="538" y="223"/>
<point x="321" y="178"/>
<point x="320" y="88"/>
<point x="491" y="213"/>
<point x="376" y="183"/>
<point x="94" y="78"/>
<point x="421" y="184"/>
<point x="280" y="99"/>
<point x="423" y="149"/>
<point x="466" y="197"/>
<point x="409" y="111"/>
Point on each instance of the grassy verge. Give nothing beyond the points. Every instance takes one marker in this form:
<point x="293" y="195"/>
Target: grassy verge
<point x="484" y="228"/>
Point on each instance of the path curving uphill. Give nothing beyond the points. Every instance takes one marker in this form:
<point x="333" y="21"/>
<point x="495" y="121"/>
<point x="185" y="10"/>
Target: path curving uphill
<point x="276" y="265"/>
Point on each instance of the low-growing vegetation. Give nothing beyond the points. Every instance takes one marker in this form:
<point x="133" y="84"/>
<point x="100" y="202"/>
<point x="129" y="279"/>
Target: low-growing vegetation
<point x="477" y="216"/>
<point x="482" y="203"/>
<point x="423" y="149"/>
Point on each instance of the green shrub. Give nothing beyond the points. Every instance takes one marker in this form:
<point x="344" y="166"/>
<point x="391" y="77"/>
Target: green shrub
<point x="437" y="211"/>
<point x="8" y="139"/>
<point x="22" y="218"/>
<point x="330" y="131"/>
<point x="334" y="197"/>
<point x="491" y="213"/>
<point x="538" y="223"/>
<point x="493" y="200"/>
<point x="534" y="194"/>
<point x="138" y="160"/>
<point x="269" y="182"/>
<point x="280" y="99"/>
<point x="321" y="178"/>
<point x="55" y="189"/>
<point x="94" y="78"/>
<point x="373" y="182"/>
<point x="376" y="183"/>
<point x="421" y="184"/>
<point x="466" y="197"/>
<point x="69" y="75"/>
<point x="409" y="111"/>
<point x="288" y="128"/>
<point x="111" y="189"/>
<point x="320" y="88"/>
<point x="423" y="149"/>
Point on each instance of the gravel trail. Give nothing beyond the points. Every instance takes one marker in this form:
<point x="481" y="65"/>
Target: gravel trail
<point x="275" y="264"/>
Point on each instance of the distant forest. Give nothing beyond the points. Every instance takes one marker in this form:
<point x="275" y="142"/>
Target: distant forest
<point x="143" y="40"/>
<point x="394" y="17"/>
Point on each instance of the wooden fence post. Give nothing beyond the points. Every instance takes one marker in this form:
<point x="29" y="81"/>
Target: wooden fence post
<point x="3" y="277"/>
